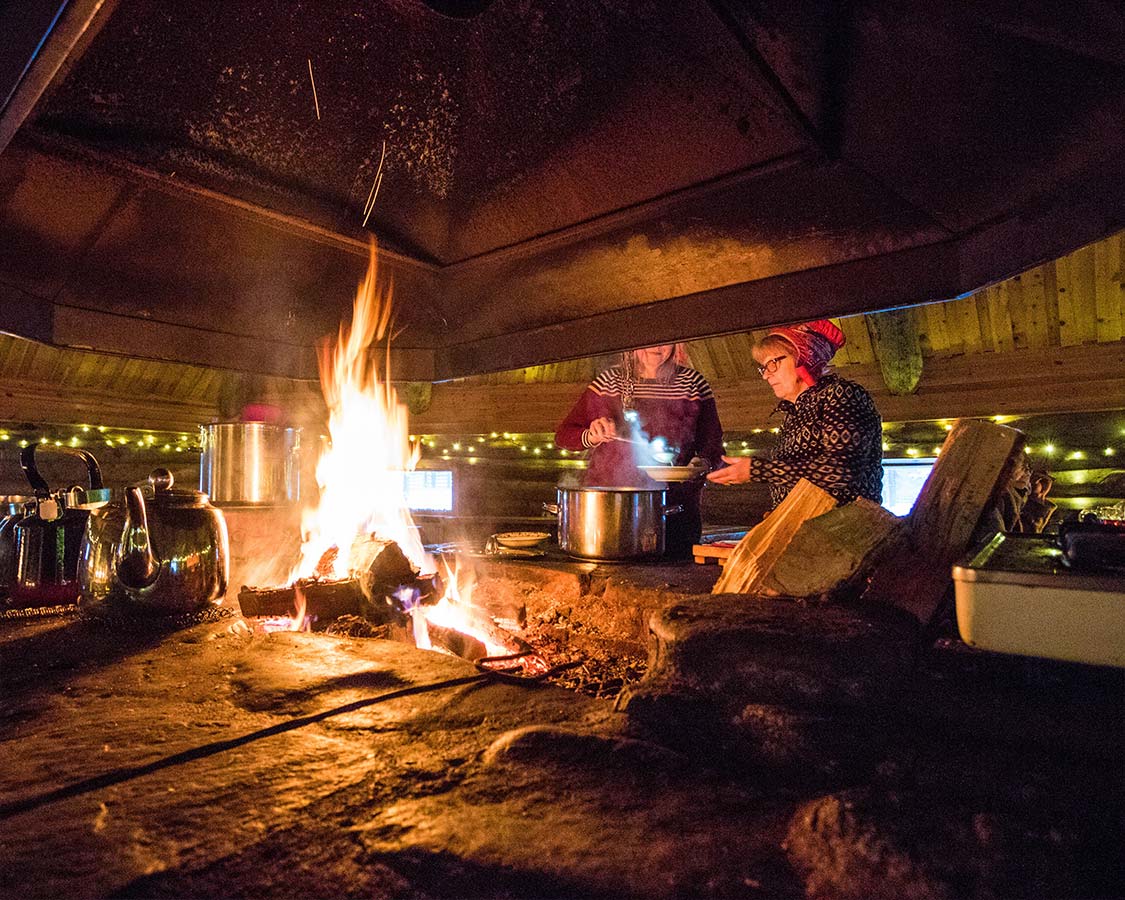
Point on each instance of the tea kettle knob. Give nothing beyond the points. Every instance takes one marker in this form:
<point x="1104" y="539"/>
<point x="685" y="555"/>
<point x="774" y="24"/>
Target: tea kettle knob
<point x="161" y="480"/>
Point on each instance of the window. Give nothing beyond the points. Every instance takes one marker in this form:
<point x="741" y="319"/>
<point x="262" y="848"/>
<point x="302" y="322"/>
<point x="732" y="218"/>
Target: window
<point x="902" y="482"/>
<point x="429" y="490"/>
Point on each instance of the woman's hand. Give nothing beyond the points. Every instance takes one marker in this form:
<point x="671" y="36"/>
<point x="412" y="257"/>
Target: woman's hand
<point x="736" y="471"/>
<point x="601" y="430"/>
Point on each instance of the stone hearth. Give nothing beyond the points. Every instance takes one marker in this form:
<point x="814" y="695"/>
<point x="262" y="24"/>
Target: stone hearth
<point x="208" y="761"/>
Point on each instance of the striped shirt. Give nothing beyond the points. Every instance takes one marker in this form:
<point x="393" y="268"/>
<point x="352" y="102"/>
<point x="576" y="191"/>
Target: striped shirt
<point x="686" y="384"/>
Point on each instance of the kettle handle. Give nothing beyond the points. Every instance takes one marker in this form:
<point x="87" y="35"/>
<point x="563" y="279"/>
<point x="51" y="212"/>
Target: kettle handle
<point x="135" y="560"/>
<point x="552" y="508"/>
<point x="39" y="483"/>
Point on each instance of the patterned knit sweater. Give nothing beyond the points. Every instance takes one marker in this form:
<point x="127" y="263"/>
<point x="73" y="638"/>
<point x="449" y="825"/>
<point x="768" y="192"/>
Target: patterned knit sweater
<point x="833" y="436"/>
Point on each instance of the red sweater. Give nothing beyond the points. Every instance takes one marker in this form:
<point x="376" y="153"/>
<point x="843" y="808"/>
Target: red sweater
<point x="681" y="411"/>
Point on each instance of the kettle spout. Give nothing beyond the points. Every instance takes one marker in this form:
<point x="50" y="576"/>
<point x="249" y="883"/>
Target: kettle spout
<point x="136" y="564"/>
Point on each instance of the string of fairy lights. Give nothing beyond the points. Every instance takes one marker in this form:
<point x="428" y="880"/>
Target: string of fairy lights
<point x="95" y="438"/>
<point x="916" y="440"/>
<point x="913" y="440"/>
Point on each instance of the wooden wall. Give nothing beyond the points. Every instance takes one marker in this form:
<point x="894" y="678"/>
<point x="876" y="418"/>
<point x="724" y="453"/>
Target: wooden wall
<point x="1049" y="340"/>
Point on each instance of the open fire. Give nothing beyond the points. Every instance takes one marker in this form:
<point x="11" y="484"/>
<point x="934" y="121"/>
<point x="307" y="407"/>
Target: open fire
<point x="360" y="538"/>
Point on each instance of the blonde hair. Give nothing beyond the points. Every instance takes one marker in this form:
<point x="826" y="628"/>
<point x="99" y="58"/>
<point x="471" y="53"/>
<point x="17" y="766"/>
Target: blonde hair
<point x="630" y="377"/>
<point x="774" y="342"/>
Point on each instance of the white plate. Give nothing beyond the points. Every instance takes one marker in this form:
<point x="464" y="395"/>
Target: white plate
<point x="670" y="473"/>
<point x="521" y="538"/>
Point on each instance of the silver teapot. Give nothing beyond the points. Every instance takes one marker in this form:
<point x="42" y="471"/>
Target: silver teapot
<point x="168" y="554"/>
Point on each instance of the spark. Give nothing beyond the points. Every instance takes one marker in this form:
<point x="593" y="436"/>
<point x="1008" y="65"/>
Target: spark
<point x="313" y="83"/>
<point x="370" y="204"/>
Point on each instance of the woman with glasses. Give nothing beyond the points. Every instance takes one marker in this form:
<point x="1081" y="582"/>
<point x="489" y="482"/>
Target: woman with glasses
<point x="652" y="396"/>
<point x="831" y="434"/>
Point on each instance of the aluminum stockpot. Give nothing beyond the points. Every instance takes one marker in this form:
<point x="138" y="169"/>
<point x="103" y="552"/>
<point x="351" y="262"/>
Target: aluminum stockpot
<point x="611" y="524"/>
<point x="250" y="462"/>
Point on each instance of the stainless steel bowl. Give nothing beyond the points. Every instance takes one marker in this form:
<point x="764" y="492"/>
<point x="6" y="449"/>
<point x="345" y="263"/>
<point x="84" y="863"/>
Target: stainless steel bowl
<point x="250" y="462"/>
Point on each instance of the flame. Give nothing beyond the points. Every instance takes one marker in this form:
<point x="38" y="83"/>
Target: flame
<point x="300" y="604"/>
<point x="296" y="622"/>
<point x="455" y="609"/>
<point x="360" y="473"/>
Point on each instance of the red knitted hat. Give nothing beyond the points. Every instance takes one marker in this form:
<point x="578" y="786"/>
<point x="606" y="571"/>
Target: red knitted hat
<point x="815" y="342"/>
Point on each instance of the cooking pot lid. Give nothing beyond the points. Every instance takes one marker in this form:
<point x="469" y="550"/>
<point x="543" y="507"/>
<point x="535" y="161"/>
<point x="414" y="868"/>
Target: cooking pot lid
<point x="613" y="490"/>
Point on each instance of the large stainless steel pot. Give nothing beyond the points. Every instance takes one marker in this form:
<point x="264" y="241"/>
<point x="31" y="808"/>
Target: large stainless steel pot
<point x="251" y="463"/>
<point x="611" y="524"/>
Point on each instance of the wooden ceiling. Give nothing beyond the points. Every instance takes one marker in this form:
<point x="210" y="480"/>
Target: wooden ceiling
<point x="1048" y="340"/>
<point x="559" y="177"/>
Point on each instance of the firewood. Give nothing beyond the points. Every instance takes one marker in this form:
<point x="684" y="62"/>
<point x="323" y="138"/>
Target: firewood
<point x="972" y="468"/>
<point x="456" y="642"/>
<point x="756" y="553"/>
<point x="833" y="550"/>
<point x="326" y="600"/>
<point x="327" y="562"/>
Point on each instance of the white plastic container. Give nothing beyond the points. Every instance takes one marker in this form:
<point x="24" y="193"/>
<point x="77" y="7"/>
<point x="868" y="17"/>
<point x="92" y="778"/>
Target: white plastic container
<point x="1015" y="595"/>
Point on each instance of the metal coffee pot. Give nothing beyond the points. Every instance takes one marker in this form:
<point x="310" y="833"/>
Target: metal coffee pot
<point x="166" y="554"/>
<point x="47" y="534"/>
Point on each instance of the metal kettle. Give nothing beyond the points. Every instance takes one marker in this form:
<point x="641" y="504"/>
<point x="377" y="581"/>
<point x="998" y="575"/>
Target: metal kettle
<point x="48" y="535"/>
<point x="166" y="554"/>
<point x="13" y="509"/>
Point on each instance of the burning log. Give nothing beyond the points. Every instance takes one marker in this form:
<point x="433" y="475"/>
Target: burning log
<point x="456" y="642"/>
<point x="376" y="595"/>
<point x="385" y="567"/>
<point x="325" y="600"/>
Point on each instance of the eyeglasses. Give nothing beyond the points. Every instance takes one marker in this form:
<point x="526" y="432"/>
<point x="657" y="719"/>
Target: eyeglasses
<point x="771" y="365"/>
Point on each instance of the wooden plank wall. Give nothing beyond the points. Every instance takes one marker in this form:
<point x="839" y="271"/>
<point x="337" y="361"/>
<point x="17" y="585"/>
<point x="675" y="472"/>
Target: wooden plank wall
<point x="1047" y="340"/>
